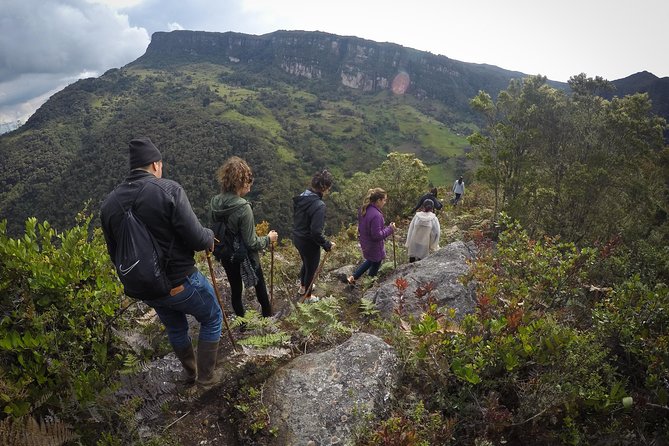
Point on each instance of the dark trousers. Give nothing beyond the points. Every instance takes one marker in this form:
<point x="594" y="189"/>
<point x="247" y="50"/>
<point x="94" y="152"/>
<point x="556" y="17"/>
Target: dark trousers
<point x="373" y="268"/>
<point x="310" y="253"/>
<point x="233" y="271"/>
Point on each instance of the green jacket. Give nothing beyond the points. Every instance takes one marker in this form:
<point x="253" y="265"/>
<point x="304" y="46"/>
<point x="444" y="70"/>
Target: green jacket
<point x="237" y="214"/>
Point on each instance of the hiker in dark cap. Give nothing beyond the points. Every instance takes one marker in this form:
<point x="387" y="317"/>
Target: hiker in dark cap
<point x="162" y="205"/>
<point x="431" y="195"/>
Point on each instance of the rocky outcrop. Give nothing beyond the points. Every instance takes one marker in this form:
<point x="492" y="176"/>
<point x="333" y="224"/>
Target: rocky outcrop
<point x="351" y="61"/>
<point x="442" y="269"/>
<point x="319" y="398"/>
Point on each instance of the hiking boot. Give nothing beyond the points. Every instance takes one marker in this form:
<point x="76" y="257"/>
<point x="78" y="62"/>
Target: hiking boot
<point x="206" y="363"/>
<point x="186" y="356"/>
<point x="267" y="310"/>
<point x="350" y="280"/>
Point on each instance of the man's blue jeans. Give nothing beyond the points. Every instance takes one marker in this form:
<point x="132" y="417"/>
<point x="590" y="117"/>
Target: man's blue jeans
<point x="197" y="299"/>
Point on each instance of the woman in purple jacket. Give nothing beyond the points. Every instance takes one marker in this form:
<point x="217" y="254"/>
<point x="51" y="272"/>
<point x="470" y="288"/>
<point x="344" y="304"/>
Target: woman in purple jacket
<point x="372" y="233"/>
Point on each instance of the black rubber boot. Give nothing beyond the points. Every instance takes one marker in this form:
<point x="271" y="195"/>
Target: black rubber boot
<point x="206" y="364"/>
<point x="187" y="357"/>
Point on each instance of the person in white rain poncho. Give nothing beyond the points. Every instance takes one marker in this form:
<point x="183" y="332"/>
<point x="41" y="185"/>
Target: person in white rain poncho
<point x="424" y="232"/>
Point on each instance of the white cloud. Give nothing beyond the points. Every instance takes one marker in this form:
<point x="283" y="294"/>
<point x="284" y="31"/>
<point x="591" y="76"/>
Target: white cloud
<point x="174" y="26"/>
<point x="47" y="45"/>
<point x="117" y="4"/>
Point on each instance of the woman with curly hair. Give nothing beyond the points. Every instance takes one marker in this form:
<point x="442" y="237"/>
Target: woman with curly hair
<point x="308" y="224"/>
<point x="235" y="178"/>
<point x="371" y="233"/>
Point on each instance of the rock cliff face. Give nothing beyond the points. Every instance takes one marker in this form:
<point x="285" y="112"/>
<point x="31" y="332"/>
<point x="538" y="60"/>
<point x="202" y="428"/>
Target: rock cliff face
<point x="350" y="61"/>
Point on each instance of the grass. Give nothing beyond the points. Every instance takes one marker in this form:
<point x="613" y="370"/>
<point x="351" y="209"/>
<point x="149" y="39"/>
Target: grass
<point x="442" y="174"/>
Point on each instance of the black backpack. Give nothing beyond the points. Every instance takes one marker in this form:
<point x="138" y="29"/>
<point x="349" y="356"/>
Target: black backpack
<point x="228" y="246"/>
<point x="139" y="261"/>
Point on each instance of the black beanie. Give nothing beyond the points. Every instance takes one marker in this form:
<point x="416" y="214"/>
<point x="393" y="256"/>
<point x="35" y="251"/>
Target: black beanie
<point x="142" y="153"/>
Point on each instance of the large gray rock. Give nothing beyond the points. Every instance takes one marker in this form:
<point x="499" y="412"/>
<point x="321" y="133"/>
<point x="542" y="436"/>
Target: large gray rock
<point x="314" y="399"/>
<point x="443" y="269"/>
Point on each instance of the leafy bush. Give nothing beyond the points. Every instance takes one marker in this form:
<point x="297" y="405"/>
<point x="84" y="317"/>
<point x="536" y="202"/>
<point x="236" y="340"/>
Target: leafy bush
<point x="543" y="356"/>
<point x="635" y="321"/>
<point x="59" y="299"/>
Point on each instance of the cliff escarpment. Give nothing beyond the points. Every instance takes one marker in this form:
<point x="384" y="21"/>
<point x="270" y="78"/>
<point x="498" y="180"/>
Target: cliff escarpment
<point x="333" y="60"/>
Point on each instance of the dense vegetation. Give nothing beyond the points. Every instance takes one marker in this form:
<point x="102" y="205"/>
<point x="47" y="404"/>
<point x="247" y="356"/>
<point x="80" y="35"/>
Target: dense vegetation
<point x="74" y="148"/>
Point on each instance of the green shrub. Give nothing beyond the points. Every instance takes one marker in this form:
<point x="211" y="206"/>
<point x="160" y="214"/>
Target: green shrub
<point x="634" y="319"/>
<point x="529" y="356"/>
<point x="59" y="300"/>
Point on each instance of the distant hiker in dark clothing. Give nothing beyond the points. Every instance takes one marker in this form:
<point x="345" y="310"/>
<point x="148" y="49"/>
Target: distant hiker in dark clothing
<point x="235" y="178"/>
<point x="432" y="195"/>
<point x="458" y="190"/>
<point x="423" y="234"/>
<point x="162" y="205"/>
<point x="371" y="233"/>
<point x="308" y="224"/>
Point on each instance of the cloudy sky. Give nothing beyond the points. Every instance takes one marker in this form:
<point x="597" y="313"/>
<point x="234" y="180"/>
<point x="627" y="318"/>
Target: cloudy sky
<point x="48" y="44"/>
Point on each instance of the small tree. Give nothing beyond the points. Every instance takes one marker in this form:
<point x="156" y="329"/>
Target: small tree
<point x="402" y="175"/>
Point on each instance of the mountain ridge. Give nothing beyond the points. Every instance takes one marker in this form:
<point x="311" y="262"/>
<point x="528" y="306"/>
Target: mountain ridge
<point x="354" y="62"/>
<point x="347" y="61"/>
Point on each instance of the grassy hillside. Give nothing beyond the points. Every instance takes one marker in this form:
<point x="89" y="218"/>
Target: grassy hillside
<point x="74" y="148"/>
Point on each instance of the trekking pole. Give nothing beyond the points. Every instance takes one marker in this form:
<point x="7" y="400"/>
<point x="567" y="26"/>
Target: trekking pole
<point x="271" y="273"/>
<point x="313" y="280"/>
<point x="220" y="301"/>
<point x="394" y="250"/>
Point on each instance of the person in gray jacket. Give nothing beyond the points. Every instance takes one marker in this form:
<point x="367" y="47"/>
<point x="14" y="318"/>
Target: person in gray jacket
<point x="162" y="205"/>
<point x="308" y="224"/>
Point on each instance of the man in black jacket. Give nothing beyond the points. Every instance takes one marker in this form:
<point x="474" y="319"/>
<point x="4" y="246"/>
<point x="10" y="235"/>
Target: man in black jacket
<point x="432" y="195"/>
<point x="162" y="205"/>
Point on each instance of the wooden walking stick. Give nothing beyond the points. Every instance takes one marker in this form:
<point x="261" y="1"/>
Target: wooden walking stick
<point x="394" y="256"/>
<point x="220" y="301"/>
<point x="313" y="280"/>
<point x="271" y="273"/>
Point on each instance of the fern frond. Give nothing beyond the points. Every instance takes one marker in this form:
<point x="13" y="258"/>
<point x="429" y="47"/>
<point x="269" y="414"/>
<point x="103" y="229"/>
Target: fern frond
<point x="266" y="340"/>
<point x="368" y="307"/>
<point x="319" y="319"/>
<point x="42" y="399"/>
<point x="137" y="341"/>
<point x="254" y="321"/>
<point x="27" y="431"/>
<point x="271" y="352"/>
